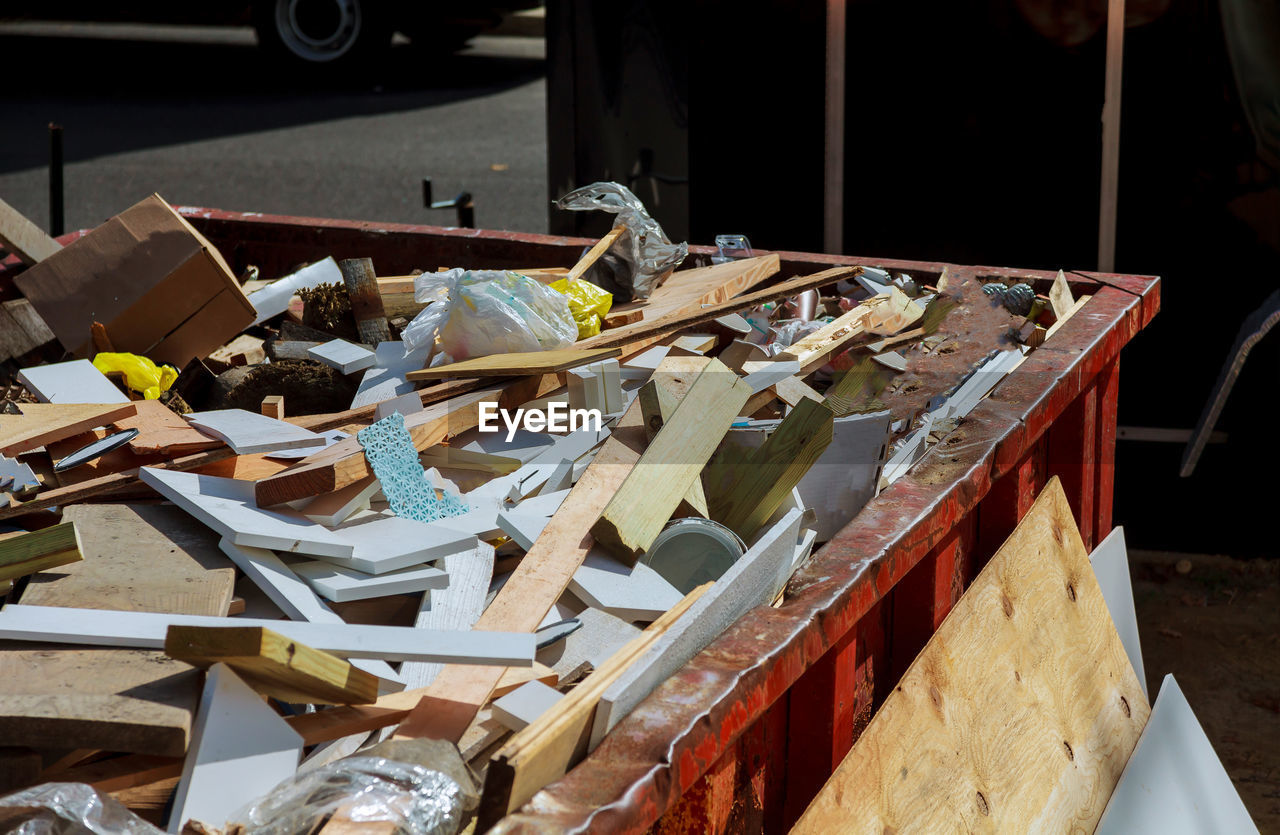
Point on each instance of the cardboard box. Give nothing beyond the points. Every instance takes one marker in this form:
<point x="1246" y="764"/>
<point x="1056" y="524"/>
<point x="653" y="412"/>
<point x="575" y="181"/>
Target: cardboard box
<point x="161" y="289"/>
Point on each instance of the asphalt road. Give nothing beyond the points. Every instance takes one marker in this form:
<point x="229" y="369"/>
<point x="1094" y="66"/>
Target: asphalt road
<point x="199" y="116"/>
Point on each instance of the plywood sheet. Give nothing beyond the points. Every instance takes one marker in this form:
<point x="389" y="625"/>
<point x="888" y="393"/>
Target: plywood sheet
<point x="1018" y="715"/>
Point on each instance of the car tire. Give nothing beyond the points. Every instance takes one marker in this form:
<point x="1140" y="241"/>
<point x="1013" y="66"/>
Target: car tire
<point x="323" y="33"/>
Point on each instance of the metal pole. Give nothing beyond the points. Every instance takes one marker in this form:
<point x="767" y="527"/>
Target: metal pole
<point x="56" y="221"/>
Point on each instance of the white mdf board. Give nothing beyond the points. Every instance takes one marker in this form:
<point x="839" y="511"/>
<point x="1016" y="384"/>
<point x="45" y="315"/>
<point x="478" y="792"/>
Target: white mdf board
<point x="545" y="503"/>
<point x="146" y="630"/>
<point x="386" y="379"/>
<point x="405" y="404"/>
<point x="249" y="433"/>
<point x="297" y="601"/>
<point x="522" y="706"/>
<point x="804" y="547"/>
<point x="339" y="584"/>
<point x="892" y="360"/>
<point x="481" y="521"/>
<point x="611" y="381"/>
<point x="345" y="356"/>
<point x="523" y="528"/>
<point x="457" y="607"/>
<point x="226" y="505"/>
<point x="648" y="359"/>
<point x="1110" y="560"/>
<point x="752" y="581"/>
<point x="524" y="446"/>
<point x="844" y="477"/>
<point x="963" y="400"/>
<point x="541" y="467"/>
<point x="240" y="748"/>
<point x="560" y="479"/>
<point x="273" y="299"/>
<point x="383" y="542"/>
<point x="586" y="388"/>
<point x="630" y="592"/>
<point x="334" y="508"/>
<point x="1174" y="783"/>
<point x="76" y="381"/>
<point x="911" y="450"/>
<point x="330" y="436"/>
<point x="601" y="636"/>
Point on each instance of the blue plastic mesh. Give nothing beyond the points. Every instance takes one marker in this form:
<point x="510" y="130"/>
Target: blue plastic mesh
<point x="394" y="460"/>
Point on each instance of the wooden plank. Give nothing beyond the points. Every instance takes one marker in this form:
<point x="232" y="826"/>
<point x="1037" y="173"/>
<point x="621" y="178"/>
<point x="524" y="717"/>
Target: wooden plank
<point x="75" y="381"/>
<point x="146" y="630"/>
<point x="1019" y="714"/>
<point x="672" y="463"/>
<point x="1109" y="194"/>
<point x="273" y="664"/>
<point x="240" y="748"/>
<point x="657" y="405"/>
<point x="550" y="746"/>
<point x="520" y="363"/>
<point x="272" y="406"/>
<point x="597" y="251"/>
<point x="31" y="322"/>
<point x="1080" y="302"/>
<point x="114" y="700"/>
<point x="335" y="508"/>
<point x="144" y="558"/>
<point x="161" y="430"/>
<point x="366" y="300"/>
<point x="1060" y="298"/>
<point x="451" y="702"/>
<point x="754" y="580"/>
<point x="27" y="553"/>
<point x="768" y="475"/>
<point x="248" y="433"/>
<point x="23" y="238"/>
<point x="344" y="463"/>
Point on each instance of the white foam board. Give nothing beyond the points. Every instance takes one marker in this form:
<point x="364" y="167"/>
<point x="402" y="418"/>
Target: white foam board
<point x="76" y="381"/>
<point x="273" y="299"/>
<point x="1174" y="783"/>
<point x="240" y="748"/>
<point x="248" y="433"/>
<point x="146" y="630"/>
<point x="1110" y="560"/>
<point x="339" y="584"/>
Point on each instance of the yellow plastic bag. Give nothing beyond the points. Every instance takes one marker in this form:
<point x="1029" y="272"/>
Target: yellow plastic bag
<point x="140" y="374"/>
<point x="587" y="303"/>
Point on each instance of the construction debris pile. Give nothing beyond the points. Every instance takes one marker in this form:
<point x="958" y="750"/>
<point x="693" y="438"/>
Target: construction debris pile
<point x="450" y="572"/>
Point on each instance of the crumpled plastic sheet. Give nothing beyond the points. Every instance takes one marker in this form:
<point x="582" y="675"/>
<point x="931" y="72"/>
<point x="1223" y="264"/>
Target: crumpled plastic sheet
<point x="476" y="313"/>
<point x="394" y="460"/>
<point x="417" y="799"/>
<point x="68" y="809"/>
<point x="646" y="251"/>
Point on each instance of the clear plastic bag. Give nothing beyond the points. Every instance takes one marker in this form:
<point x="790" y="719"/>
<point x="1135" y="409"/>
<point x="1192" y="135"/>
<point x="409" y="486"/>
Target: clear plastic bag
<point x="415" y="798"/>
<point x="645" y="250"/>
<point x="68" y="809"/>
<point x="483" y="312"/>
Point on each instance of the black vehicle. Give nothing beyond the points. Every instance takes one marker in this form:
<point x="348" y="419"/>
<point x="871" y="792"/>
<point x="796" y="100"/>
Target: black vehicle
<point x="304" y="32"/>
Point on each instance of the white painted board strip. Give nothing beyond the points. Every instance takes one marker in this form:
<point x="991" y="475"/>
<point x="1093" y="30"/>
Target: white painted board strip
<point x="345" y="356"/>
<point x="601" y="636"/>
<point x="76" y="381"/>
<point x="545" y="503"/>
<point x="273" y="299"/>
<point x="405" y="404"/>
<point x="297" y="601"/>
<point x="763" y="374"/>
<point x="383" y="542"/>
<point x="457" y="607"/>
<point x="240" y="748"/>
<point x="226" y="505"/>
<point x="340" y="584"/>
<point x="523" y="528"/>
<point x="146" y="630"/>
<point x="1174" y="783"/>
<point x="386" y="379"/>
<point x="1110" y="560"/>
<point x="522" y="706"/>
<point x="248" y="433"/>
<point x="752" y="581"/>
<point x="330" y="436"/>
<point x="631" y="593"/>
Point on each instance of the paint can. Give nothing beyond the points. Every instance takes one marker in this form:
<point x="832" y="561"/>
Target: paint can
<point x="690" y="552"/>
